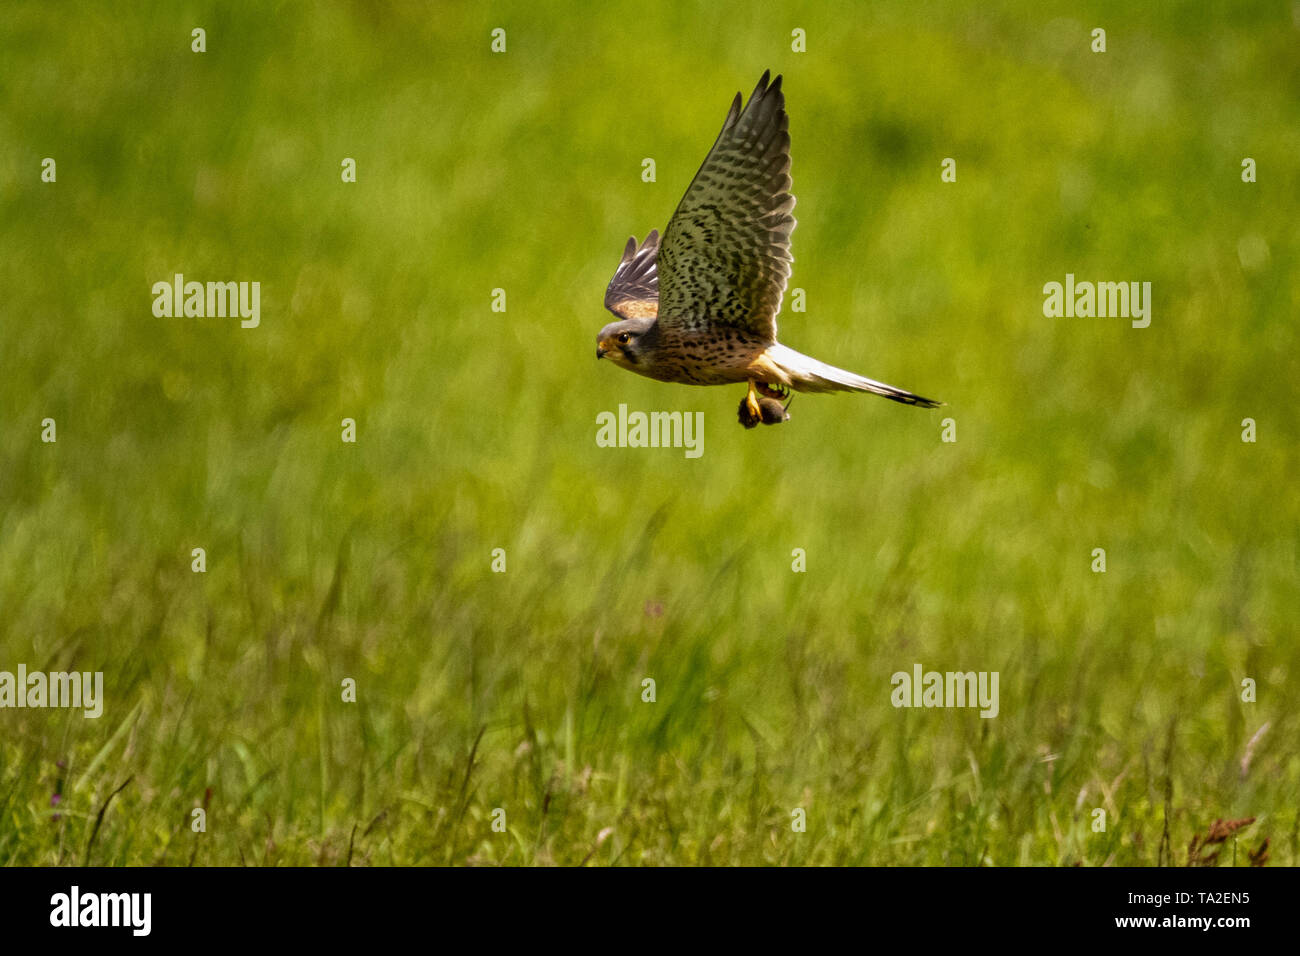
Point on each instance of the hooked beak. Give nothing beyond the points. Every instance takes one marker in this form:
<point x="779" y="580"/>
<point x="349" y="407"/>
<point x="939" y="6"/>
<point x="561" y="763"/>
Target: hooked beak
<point x="600" y="351"/>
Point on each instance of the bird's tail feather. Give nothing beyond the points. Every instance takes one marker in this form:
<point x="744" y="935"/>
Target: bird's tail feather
<point x="807" y="374"/>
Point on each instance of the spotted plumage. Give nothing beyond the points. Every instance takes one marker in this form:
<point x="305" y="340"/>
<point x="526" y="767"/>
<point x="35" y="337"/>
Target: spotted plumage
<point x="725" y="260"/>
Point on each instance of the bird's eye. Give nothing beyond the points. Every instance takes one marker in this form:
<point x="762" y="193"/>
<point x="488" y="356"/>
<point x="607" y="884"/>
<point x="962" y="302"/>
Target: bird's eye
<point x="622" y="338"/>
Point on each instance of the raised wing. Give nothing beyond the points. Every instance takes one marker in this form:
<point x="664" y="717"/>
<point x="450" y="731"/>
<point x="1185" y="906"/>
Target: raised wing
<point x="725" y="256"/>
<point x="633" y="293"/>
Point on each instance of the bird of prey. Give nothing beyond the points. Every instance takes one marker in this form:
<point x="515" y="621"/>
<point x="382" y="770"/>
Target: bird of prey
<point x="725" y="260"/>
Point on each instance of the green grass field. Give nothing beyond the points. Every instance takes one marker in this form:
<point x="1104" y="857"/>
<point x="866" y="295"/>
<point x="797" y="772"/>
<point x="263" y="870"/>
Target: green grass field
<point x="522" y="691"/>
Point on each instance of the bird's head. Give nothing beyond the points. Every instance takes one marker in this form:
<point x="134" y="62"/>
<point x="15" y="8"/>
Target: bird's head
<point x="623" y="342"/>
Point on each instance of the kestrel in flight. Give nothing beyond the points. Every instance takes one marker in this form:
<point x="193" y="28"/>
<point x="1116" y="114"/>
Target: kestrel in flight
<point x="725" y="260"/>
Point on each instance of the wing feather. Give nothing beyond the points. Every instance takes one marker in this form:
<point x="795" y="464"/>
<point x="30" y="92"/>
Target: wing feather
<point x="726" y="252"/>
<point x="633" y="293"/>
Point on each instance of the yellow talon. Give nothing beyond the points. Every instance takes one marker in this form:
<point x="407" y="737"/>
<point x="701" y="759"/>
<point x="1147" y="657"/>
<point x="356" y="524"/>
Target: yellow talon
<point x="751" y="412"/>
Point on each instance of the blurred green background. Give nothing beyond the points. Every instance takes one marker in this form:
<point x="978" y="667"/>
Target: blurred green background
<point x="476" y="430"/>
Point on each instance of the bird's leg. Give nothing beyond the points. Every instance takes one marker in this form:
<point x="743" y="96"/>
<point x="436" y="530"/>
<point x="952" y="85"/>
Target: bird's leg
<point x="773" y="412"/>
<point x="751" y="412"/>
